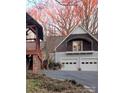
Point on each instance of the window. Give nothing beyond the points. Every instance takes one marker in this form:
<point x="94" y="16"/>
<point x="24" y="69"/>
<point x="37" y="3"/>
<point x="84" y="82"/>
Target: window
<point x="86" y="62"/>
<point x="77" y="45"/>
<point x="95" y="63"/>
<point x="74" y="62"/>
<point x="70" y="62"/>
<point x="66" y="62"/>
<point x="90" y="62"/>
<point x="82" y="62"/>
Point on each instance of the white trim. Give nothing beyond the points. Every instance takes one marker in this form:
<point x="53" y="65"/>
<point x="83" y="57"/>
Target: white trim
<point x="89" y="33"/>
<point x="72" y="32"/>
<point x="79" y="52"/>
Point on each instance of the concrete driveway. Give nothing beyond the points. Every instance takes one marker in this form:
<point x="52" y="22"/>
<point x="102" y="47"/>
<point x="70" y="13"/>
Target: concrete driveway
<point x="88" y="78"/>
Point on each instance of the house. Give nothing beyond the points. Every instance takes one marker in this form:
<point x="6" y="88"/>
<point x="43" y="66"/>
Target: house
<point x="78" y="51"/>
<point x="34" y="37"/>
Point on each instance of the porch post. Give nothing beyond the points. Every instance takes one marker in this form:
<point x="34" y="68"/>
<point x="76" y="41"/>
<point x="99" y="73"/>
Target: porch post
<point x="36" y="64"/>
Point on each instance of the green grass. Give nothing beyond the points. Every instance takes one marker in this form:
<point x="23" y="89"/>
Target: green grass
<point x="33" y="85"/>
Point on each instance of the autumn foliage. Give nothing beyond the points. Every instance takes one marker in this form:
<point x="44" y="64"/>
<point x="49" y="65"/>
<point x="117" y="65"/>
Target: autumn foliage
<point x="60" y="17"/>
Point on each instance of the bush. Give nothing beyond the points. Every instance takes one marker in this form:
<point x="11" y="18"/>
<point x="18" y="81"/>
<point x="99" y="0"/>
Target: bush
<point x="54" y="66"/>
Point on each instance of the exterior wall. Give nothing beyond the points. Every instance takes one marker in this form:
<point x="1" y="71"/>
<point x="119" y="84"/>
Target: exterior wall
<point x="87" y="45"/>
<point x="85" y="61"/>
<point x="59" y="55"/>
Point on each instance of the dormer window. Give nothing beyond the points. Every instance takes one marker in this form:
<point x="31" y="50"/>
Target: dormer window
<point x="77" y="45"/>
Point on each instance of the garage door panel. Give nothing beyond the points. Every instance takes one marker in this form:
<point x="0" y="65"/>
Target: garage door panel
<point x="88" y="64"/>
<point x="69" y="63"/>
<point x="89" y="67"/>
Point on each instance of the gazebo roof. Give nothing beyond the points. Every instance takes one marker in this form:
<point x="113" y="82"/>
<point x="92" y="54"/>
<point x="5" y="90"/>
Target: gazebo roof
<point x="31" y="21"/>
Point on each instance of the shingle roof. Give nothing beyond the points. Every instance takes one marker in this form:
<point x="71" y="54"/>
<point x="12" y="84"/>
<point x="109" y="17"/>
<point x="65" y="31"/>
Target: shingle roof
<point x="52" y="42"/>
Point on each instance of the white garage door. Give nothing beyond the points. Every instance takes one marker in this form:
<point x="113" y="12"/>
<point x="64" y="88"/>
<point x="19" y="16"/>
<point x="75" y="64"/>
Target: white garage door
<point x="70" y="63"/>
<point x="89" y="64"/>
<point x="76" y="63"/>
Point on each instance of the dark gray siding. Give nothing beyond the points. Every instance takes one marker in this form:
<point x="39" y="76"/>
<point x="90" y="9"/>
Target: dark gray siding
<point x="89" y="43"/>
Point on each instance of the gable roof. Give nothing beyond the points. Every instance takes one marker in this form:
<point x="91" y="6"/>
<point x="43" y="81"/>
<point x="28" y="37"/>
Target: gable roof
<point x="52" y="42"/>
<point x="90" y="34"/>
<point x="32" y="21"/>
<point x="96" y="35"/>
<point x="73" y="32"/>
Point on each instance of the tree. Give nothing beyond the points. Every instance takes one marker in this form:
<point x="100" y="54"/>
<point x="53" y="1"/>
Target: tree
<point x="65" y="19"/>
<point x="90" y="15"/>
<point x="65" y="15"/>
<point x="60" y="20"/>
<point x="88" y="10"/>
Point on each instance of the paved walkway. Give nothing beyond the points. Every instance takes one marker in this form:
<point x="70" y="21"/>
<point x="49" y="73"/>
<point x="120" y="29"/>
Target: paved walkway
<point x="87" y="78"/>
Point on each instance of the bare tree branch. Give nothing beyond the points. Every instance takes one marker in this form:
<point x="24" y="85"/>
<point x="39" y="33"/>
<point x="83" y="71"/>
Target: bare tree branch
<point x="72" y="3"/>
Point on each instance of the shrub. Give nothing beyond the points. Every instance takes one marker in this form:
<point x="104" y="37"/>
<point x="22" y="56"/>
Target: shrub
<point x="54" y="66"/>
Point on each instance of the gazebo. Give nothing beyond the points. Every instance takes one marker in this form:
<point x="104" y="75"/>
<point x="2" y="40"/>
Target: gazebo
<point x="34" y="36"/>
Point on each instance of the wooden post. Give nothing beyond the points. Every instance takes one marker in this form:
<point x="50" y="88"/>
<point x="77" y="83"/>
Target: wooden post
<point x="36" y="64"/>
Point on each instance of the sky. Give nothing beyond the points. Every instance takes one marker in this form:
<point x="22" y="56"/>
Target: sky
<point x="31" y="3"/>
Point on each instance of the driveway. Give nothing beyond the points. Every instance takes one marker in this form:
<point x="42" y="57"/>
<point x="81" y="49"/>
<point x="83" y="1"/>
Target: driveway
<point x="88" y="78"/>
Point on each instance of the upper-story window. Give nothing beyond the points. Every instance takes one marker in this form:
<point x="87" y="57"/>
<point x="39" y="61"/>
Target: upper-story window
<point x="77" y="45"/>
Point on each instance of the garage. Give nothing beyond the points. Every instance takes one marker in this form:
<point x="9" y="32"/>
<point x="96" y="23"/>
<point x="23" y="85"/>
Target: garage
<point x="79" y="63"/>
<point x="78" y="51"/>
